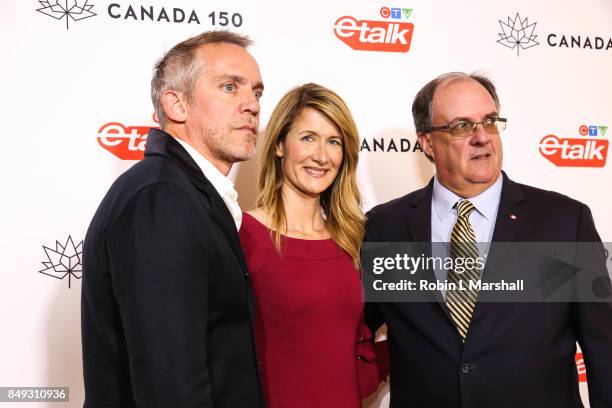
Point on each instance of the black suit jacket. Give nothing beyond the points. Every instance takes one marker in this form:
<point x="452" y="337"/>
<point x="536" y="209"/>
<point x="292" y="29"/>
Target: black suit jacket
<point x="516" y="354"/>
<point x="166" y="311"/>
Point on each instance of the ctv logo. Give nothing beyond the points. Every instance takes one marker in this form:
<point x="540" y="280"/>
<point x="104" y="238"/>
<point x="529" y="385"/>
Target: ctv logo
<point x="591" y="151"/>
<point x="125" y="142"/>
<point x="592" y="130"/>
<point x="395" y="13"/>
<point x="373" y="35"/>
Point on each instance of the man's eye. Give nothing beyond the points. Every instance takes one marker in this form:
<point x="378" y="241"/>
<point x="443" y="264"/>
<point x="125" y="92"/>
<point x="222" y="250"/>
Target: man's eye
<point x="461" y="126"/>
<point x="258" y="94"/>
<point x="229" y="87"/>
<point x="489" y="121"/>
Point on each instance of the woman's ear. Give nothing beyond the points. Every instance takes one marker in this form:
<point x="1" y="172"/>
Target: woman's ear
<point x="280" y="149"/>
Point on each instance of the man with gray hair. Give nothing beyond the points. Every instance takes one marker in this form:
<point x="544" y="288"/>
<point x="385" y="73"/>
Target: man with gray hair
<point x="458" y="351"/>
<point x="166" y="305"/>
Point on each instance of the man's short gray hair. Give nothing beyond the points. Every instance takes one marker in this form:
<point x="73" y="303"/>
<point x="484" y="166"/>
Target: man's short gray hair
<point x="179" y="69"/>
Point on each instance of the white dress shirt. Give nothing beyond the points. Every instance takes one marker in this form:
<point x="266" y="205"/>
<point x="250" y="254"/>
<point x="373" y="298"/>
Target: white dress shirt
<point x="222" y="184"/>
<point x="444" y="217"/>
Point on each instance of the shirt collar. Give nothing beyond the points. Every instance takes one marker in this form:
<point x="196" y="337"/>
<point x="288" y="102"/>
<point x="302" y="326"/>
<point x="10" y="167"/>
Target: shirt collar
<point x="222" y="184"/>
<point x="485" y="203"/>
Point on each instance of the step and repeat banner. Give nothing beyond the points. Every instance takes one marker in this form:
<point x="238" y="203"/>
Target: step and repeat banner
<point x="76" y="111"/>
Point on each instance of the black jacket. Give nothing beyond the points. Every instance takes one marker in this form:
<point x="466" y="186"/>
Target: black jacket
<point x="516" y="354"/>
<point x="166" y="309"/>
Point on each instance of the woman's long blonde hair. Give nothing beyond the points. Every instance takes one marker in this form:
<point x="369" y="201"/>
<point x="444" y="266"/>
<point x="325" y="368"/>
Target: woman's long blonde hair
<point x="341" y="202"/>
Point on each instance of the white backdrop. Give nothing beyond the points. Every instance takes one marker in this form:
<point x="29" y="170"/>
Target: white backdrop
<point x="68" y="73"/>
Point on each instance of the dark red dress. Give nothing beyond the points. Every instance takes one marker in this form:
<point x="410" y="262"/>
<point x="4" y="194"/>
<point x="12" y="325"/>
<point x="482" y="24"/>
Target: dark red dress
<point x="308" y="306"/>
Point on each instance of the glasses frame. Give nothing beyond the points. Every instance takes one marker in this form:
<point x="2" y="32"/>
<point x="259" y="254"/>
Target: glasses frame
<point x="448" y="129"/>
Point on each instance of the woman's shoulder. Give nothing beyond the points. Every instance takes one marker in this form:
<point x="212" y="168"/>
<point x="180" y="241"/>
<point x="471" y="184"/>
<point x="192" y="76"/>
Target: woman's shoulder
<point x="261" y="215"/>
<point x="254" y="228"/>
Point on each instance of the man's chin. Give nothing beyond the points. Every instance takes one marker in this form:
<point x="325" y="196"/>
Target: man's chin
<point x="244" y="155"/>
<point x="485" y="177"/>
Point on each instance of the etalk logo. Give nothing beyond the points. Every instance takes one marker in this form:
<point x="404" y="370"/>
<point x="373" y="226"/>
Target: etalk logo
<point x="576" y="152"/>
<point x="581" y="367"/>
<point x="125" y="142"/>
<point x="371" y="35"/>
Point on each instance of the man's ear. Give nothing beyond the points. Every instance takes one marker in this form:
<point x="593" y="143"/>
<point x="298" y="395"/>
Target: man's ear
<point x="175" y="106"/>
<point x="280" y="149"/>
<point x="425" y="142"/>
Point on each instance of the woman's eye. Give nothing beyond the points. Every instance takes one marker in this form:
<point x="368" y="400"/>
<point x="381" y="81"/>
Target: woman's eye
<point x="307" y="138"/>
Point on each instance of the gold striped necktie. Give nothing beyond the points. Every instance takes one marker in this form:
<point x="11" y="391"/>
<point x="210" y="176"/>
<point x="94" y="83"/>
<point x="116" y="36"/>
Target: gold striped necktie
<point x="461" y="303"/>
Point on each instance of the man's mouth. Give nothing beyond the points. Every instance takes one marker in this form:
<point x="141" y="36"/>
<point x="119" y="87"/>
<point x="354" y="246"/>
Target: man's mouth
<point x="249" y="128"/>
<point x="482" y="156"/>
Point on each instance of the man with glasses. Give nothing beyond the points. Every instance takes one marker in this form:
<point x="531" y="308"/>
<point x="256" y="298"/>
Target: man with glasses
<point x="459" y="352"/>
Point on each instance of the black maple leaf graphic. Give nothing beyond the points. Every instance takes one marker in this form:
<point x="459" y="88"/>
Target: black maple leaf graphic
<point x="517" y="34"/>
<point x="64" y="260"/>
<point x="68" y="9"/>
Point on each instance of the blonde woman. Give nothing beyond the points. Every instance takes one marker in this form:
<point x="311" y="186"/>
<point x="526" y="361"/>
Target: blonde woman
<point x="302" y="248"/>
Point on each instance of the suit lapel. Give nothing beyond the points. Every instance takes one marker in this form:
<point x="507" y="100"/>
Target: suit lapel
<point x="418" y="223"/>
<point x="418" y="220"/>
<point x="510" y="216"/>
<point x="225" y="221"/>
<point x="163" y="144"/>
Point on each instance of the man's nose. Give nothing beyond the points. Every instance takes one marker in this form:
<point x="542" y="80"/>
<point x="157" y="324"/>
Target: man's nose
<point x="250" y="103"/>
<point x="480" y="136"/>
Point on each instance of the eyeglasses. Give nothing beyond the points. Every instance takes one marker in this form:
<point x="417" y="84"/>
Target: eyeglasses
<point x="465" y="128"/>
